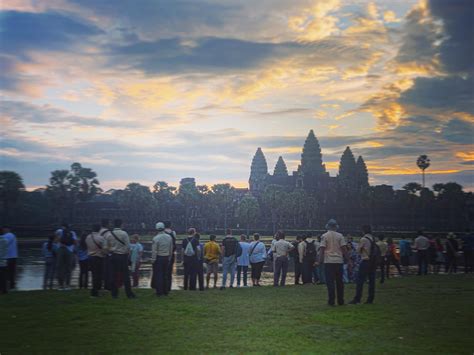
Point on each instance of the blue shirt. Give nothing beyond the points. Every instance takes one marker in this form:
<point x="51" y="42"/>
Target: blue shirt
<point x="405" y="248"/>
<point x="258" y="252"/>
<point x="12" y="251"/>
<point x="244" y="259"/>
<point x="74" y="236"/>
<point x="82" y="254"/>
<point x="49" y="253"/>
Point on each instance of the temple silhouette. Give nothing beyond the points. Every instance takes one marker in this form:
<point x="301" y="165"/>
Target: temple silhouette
<point x="311" y="174"/>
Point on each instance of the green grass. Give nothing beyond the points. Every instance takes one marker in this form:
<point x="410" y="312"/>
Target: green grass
<point x="432" y="314"/>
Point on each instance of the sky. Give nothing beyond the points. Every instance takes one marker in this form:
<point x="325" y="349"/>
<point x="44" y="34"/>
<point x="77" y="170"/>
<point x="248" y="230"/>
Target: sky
<point x="152" y="90"/>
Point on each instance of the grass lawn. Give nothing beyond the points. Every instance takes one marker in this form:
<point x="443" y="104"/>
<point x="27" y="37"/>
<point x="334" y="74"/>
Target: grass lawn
<point x="432" y="314"/>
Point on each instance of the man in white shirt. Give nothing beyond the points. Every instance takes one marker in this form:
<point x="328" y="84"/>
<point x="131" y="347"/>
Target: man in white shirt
<point x="118" y="244"/>
<point x="422" y="244"/>
<point x="367" y="266"/>
<point x="12" y="255"/>
<point x="281" y="249"/>
<point x="332" y="253"/>
<point x="161" y="252"/>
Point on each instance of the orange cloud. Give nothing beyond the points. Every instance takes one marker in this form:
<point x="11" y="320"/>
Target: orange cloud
<point x="466" y="156"/>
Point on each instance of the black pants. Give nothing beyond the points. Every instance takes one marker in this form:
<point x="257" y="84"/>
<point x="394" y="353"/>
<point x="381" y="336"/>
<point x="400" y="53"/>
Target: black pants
<point x="200" y="274"/>
<point x="244" y="270"/>
<point x="84" y="273"/>
<point x="11" y="272"/>
<point x="334" y="283"/>
<point x="97" y="268"/>
<point x="468" y="260"/>
<point x="298" y="270"/>
<point x="170" y="272"/>
<point x="190" y="273"/>
<point x="107" y="273"/>
<point x="160" y="273"/>
<point x="422" y="256"/>
<point x="307" y="269"/>
<point x="3" y="279"/>
<point x="119" y="265"/>
<point x="384" y="265"/>
<point x="281" y="268"/>
<point x="451" y="263"/>
<point x="257" y="270"/>
<point x="364" y="273"/>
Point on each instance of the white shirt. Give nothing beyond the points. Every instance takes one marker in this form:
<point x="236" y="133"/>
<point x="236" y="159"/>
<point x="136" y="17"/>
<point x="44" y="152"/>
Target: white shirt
<point x="281" y="248"/>
<point x="332" y="242"/>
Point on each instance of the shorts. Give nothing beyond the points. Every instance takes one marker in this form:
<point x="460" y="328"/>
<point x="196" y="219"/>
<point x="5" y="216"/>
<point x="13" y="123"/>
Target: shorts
<point x="212" y="267"/>
<point x="405" y="260"/>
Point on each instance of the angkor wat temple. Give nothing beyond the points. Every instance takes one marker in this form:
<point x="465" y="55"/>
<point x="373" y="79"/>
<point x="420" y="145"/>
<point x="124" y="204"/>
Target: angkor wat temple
<point x="311" y="174"/>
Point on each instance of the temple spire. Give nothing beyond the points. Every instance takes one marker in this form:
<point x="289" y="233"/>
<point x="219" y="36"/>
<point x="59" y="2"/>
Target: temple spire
<point x="258" y="171"/>
<point x="311" y="158"/>
<point x="280" y="168"/>
<point x="362" y="173"/>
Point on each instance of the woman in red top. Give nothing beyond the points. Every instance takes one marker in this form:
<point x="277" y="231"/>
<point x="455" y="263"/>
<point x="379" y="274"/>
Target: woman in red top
<point x="392" y="257"/>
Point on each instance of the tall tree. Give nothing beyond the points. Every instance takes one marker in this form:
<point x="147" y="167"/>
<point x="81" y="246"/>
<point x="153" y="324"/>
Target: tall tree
<point x="85" y="182"/>
<point x="248" y="211"/>
<point x="11" y="185"/>
<point x="423" y="162"/>
<point x="223" y="196"/>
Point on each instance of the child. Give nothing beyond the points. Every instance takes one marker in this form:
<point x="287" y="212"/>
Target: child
<point x="136" y="252"/>
<point x="49" y="253"/>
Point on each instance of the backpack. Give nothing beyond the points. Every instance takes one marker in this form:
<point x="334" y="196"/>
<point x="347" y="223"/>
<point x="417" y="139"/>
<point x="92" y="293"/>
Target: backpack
<point x="189" y="250"/>
<point x="238" y="250"/>
<point x="311" y="252"/>
<point x="375" y="255"/>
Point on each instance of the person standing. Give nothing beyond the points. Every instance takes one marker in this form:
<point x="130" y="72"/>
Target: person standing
<point x="161" y="253"/>
<point x="439" y="255"/>
<point x="200" y="263"/>
<point x="405" y="254"/>
<point x="212" y="251"/>
<point x="258" y="255"/>
<point x="281" y="250"/>
<point x="392" y="257"/>
<point x="65" y="254"/>
<point x="83" y="256"/>
<point x="332" y="252"/>
<point x="49" y="250"/>
<point x="190" y="260"/>
<point x="422" y="244"/>
<point x="383" y="246"/>
<point x="12" y="255"/>
<point x="243" y="261"/>
<point x="368" y="266"/>
<point x="107" y="265"/>
<point x="172" y="234"/>
<point x="452" y="248"/>
<point x="307" y="254"/>
<point x="118" y="244"/>
<point x="3" y="264"/>
<point x="468" y="251"/>
<point x="96" y="250"/>
<point x="294" y="254"/>
<point x="136" y="252"/>
<point x="230" y="252"/>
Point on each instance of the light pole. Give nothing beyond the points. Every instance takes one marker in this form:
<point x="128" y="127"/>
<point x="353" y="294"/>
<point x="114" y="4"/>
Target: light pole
<point x="423" y="162"/>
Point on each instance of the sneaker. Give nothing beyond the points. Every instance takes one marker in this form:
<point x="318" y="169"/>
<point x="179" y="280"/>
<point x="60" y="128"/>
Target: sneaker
<point x="353" y="302"/>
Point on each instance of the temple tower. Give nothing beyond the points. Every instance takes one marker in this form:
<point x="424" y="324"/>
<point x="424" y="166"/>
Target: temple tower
<point x="258" y="172"/>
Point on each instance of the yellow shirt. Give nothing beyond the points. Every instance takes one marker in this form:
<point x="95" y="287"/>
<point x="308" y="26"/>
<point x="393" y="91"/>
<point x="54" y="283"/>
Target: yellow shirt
<point x="212" y="251"/>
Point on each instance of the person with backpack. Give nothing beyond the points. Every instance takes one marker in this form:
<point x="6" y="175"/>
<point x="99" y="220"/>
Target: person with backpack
<point x="294" y="255"/>
<point x="190" y="260"/>
<point x="118" y="244"/>
<point x="161" y="252"/>
<point x="230" y="251"/>
<point x="96" y="250"/>
<point x="172" y="234"/>
<point x="371" y="256"/>
<point x="212" y="252"/>
<point x="281" y="250"/>
<point x="332" y="254"/>
<point x="258" y="256"/>
<point x="243" y="261"/>
<point x="307" y="253"/>
<point x="49" y="250"/>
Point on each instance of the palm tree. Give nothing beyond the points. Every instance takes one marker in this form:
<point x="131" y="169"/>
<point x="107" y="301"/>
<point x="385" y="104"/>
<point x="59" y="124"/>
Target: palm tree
<point x="11" y="184"/>
<point x="423" y="162"/>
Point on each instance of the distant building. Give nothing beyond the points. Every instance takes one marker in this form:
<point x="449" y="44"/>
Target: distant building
<point x="311" y="174"/>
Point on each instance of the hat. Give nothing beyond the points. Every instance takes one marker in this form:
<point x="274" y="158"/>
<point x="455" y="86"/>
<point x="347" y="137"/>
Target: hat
<point x="332" y="224"/>
<point x="160" y="226"/>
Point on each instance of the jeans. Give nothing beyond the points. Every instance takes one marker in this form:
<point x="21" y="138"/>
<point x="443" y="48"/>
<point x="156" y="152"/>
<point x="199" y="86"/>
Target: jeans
<point x="364" y="273"/>
<point x="136" y="274"/>
<point x="190" y="272"/>
<point x="321" y="270"/>
<point x="228" y="266"/>
<point x="244" y="270"/>
<point x="119" y="267"/>
<point x="333" y="273"/>
<point x="160" y="273"/>
<point x="422" y="262"/>
<point x="281" y="268"/>
<point x="49" y="271"/>
<point x="84" y="273"/>
<point x="257" y="270"/>
<point x="97" y="268"/>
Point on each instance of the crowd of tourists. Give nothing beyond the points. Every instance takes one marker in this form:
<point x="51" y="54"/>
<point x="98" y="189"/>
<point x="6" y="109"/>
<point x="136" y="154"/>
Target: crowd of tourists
<point x="113" y="258"/>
